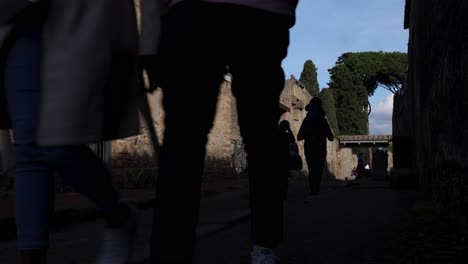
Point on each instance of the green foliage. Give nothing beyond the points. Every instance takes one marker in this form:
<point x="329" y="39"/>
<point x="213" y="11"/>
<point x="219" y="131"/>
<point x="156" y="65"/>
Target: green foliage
<point x="373" y="69"/>
<point x="328" y="103"/>
<point x="350" y="102"/>
<point x="392" y="73"/>
<point x="390" y="147"/>
<point x="309" y="77"/>
<point x="355" y="77"/>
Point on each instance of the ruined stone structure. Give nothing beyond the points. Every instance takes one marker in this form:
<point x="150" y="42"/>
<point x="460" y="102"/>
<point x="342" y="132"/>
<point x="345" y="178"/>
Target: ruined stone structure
<point x="378" y="158"/>
<point x="292" y="102"/>
<point x="347" y="162"/>
<point x="225" y="155"/>
<point x="431" y="110"/>
<point x="132" y="158"/>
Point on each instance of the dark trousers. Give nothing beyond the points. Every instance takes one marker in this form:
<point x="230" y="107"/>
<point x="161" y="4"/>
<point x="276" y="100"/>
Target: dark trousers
<point x="199" y="40"/>
<point x="315" y="157"/>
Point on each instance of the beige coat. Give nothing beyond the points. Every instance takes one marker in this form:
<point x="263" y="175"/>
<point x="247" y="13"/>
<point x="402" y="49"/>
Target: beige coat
<point x="89" y="88"/>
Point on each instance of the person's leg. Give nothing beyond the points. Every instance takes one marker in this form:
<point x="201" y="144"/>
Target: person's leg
<point x="286" y="159"/>
<point x="181" y="167"/>
<point x="77" y="164"/>
<point x="286" y="185"/>
<point x="310" y="167"/>
<point x="312" y="180"/>
<point x="266" y="171"/>
<point x="33" y="203"/>
<point x="257" y="83"/>
<point x="361" y="171"/>
<point x="316" y="161"/>
<point x="321" y="159"/>
<point x="189" y="101"/>
<point x="87" y="174"/>
<point x="34" y="186"/>
<point x="34" y="197"/>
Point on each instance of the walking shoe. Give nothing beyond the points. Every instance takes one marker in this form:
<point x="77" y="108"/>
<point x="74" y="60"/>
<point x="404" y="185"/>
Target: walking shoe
<point x="263" y="256"/>
<point x="117" y="243"/>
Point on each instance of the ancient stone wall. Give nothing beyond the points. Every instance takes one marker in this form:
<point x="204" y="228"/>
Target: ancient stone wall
<point x="437" y="97"/>
<point x="347" y="162"/>
<point x="133" y="158"/>
<point x="220" y="147"/>
<point x="332" y="163"/>
<point x="401" y="128"/>
<point x="293" y="100"/>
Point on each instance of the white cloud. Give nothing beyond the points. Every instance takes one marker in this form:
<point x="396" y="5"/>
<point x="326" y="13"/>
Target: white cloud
<point x="384" y="107"/>
<point x="380" y="120"/>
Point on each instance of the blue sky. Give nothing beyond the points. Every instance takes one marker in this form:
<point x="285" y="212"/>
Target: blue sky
<point x="325" y="29"/>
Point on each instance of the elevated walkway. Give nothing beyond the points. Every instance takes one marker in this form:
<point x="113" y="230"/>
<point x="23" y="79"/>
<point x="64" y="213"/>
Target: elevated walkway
<point x="365" y="140"/>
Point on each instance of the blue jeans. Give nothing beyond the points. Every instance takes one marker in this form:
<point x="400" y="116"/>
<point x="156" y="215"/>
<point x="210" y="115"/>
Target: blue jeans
<point x="34" y="180"/>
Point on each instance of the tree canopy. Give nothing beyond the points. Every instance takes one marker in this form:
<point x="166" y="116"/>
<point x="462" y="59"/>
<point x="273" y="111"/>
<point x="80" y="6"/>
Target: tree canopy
<point x="309" y="77"/>
<point x="355" y="77"/>
<point x="374" y="69"/>
<point x="328" y="104"/>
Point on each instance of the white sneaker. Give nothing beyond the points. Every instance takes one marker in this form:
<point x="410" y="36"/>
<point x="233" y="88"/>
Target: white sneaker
<point x="264" y="256"/>
<point x="117" y="243"/>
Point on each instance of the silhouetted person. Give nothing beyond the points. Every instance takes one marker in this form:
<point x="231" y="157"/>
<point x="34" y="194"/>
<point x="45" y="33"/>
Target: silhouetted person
<point x="68" y="79"/>
<point x="199" y="38"/>
<point x="315" y="131"/>
<point x="287" y="138"/>
<point x="367" y="171"/>
<point x="361" y="166"/>
<point x="296" y="159"/>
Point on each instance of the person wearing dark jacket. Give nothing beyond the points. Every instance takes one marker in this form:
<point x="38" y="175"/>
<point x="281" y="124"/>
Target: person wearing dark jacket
<point x="315" y="130"/>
